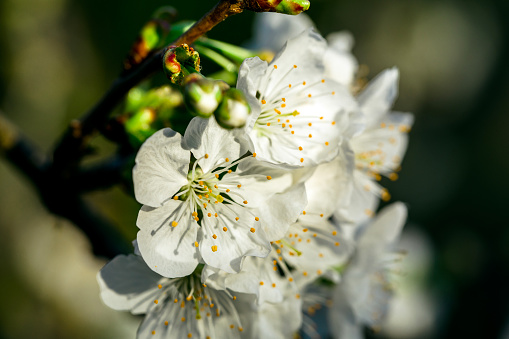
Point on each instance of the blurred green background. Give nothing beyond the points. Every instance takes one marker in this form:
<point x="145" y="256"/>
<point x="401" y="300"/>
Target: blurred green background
<point x="58" y="56"/>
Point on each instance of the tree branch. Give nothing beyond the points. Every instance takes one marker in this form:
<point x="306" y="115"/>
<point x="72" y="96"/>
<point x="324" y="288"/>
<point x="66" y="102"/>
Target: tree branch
<point x="72" y="145"/>
<point x="57" y="194"/>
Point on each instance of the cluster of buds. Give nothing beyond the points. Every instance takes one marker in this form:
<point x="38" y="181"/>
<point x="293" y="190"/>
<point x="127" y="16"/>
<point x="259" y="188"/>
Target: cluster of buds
<point x="203" y="96"/>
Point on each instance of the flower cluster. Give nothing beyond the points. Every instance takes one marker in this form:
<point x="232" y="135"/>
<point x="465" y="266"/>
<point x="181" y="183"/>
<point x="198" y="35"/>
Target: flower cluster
<point x="247" y="232"/>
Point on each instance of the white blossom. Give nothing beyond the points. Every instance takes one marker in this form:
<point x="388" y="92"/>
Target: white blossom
<point x="362" y="297"/>
<point x="221" y="207"/>
<point x="298" y="114"/>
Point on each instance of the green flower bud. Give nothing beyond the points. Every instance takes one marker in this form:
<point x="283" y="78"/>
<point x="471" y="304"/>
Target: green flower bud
<point x="291" y="7"/>
<point x="140" y="126"/>
<point x="151" y="37"/>
<point x="201" y="95"/>
<point x="179" y="62"/>
<point x="233" y="110"/>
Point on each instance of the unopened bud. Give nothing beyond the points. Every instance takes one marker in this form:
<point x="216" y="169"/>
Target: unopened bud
<point x="233" y="110"/>
<point x="151" y="37"/>
<point x="140" y="126"/>
<point x="291" y="7"/>
<point x="201" y="95"/>
<point x="179" y="62"/>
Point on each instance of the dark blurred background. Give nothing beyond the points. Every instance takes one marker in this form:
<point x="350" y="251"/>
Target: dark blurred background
<point x="58" y="56"/>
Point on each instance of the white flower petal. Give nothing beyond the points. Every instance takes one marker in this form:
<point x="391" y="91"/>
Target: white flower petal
<point x="379" y="96"/>
<point x="272" y="30"/>
<point x="340" y="64"/>
<point x="127" y="283"/>
<point x="244" y="237"/>
<point x="161" y="168"/>
<point x="330" y="187"/>
<point x="210" y="142"/>
<point x="169" y="251"/>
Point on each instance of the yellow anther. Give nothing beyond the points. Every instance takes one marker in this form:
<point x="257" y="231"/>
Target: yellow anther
<point x="334" y="232"/>
<point x="304" y="212"/>
<point x="393" y="176"/>
<point x="300" y="148"/>
<point x="153" y="332"/>
<point x="252" y="230"/>
<point x="254" y="156"/>
<point x="183" y="319"/>
<point x="310" y="124"/>
<point x="333" y="93"/>
<point x="297" y="296"/>
<point x="264" y="102"/>
<point x="257" y="219"/>
<point x="284" y="99"/>
<point x="305" y="273"/>
<point x="301" y="159"/>
<point x="294" y="66"/>
<point x="261" y="283"/>
<point x="204" y="205"/>
<point x="290" y="279"/>
<point x="320" y="255"/>
<point x="383" y="125"/>
<point x="159" y="286"/>
<point x="275" y="66"/>
<point x="229" y="171"/>
<point x="273" y="285"/>
<point x="293" y="132"/>
<point x="174" y="223"/>
<point x="227" y="190"/>
<point x="195" y="244"/>
<point x="232" y="326"/>
<point x="321" y="215"/>
<point x="206" y="156"/>
<point x="323" y="80"/>
<point x="189" y="298"/>
<point x="209" y="215"/>
<point x="289" y="85"/>
<point x="290" y="125"/>
<point x="283" y="125"/>
<point x="241" y="329"/>
<point x="283" y="105"/>
<point x="333" y="123"/>
<point x="156" y="301"/>
<point x="175" y="198"/>
<point x="234" y="298"/>
<point x="226" y="159"/>
<point x="304" y="83"/>
<point x="268" y="124"/>
<point x="200" y="182"/>
<point x="217" y="176"/>
<point x="236" y="218"/>
<point x="311" y="135"/>
<point x="385" y="195"/>
<point x="277" y="111"/>
<point x="182" y="304"/>
<point x="336" y="244"/>
<point x="214" y="248"/>
<point x="215" y="214"/>
<point x="239" y="186"/>
<point x="314" y="235"/>
<point x="269" y="177"/>
<point x="305" y="230"/>
<point x="166" y="323"/>
<point x="309" y="95"/>
<point x="214" y="236"/>
<point x="175" y="301"/>
<point x="189" y="335"/>
<point x="278" y="251"/>
<point x="225" y="229"/>
<point x="245" y="202"/>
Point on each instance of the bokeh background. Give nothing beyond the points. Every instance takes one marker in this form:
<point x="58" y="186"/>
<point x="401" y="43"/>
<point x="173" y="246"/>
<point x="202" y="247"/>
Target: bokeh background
<point x="58" y="56"/>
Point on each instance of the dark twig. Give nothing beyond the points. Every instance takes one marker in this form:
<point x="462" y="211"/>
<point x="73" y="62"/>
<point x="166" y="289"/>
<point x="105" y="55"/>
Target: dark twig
<point x="58" y="194"/>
